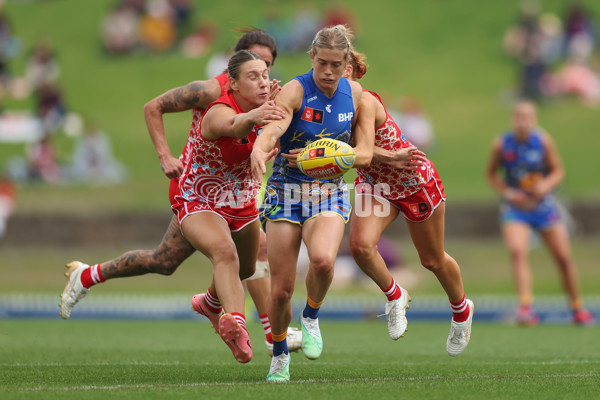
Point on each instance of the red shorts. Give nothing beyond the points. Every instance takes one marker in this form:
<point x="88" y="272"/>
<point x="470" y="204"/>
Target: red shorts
<point x="236" y="218"/>
<point x="419" y="206"/>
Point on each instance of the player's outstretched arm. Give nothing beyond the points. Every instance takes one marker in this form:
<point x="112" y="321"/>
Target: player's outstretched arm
<point x="289" y="100"/>
<point x="197" y="94"/>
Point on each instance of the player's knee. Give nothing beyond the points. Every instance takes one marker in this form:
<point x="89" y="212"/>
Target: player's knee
<point x="282" y="295"/>
<point x="322" y="264"/>
<point x="517" y="255"/>
<point x="225" y="253"/>
<point x="361" y="249"/>
<point x="432" y="263"/>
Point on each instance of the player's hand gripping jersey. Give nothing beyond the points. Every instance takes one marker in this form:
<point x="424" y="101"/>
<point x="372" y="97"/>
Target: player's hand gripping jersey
<point x="402" y="182"/>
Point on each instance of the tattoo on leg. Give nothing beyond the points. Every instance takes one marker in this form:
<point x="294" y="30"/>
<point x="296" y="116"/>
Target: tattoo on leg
<point x="164" y="260"/>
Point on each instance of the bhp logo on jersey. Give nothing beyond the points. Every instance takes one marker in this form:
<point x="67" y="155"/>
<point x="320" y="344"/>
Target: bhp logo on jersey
<point x="345" y="117"/>
<point x="312" y="115"/>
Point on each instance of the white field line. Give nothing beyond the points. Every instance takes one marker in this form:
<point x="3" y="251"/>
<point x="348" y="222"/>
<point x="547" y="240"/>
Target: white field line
<point x="306" y="381"/>
<point x="177" y="363"/>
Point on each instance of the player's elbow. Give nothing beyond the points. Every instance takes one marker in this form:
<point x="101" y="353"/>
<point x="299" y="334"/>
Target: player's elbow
<point x="150" y="108"/>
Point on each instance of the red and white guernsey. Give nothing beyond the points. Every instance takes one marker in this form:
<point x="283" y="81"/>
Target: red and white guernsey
<point x="398" y="183"/>
<point x="217" y="176"/>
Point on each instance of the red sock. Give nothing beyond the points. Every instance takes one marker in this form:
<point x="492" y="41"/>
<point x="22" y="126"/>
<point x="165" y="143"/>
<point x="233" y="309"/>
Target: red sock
<point x="264" y="320"/>
<point x="212" y="303"/>
<point x="393" y="292"/>
<point x="241" y="320"/>
<point x="460" y="310"/>
<point x="91" y="276"/>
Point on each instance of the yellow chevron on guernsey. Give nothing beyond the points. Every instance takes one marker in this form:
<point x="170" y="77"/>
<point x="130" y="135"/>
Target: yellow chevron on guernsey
<point x="326" y="158"/>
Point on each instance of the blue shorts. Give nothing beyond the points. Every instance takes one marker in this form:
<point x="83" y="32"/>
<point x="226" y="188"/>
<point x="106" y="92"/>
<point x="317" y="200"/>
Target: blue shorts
<point x="298" y="205"/>
<point x="545" y="215"/>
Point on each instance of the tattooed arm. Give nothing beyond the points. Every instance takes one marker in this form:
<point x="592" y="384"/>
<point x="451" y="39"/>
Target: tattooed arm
<point x="197" y="94"/>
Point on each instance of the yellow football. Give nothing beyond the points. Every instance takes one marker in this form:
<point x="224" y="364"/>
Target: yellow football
<point x="326" y="158"/>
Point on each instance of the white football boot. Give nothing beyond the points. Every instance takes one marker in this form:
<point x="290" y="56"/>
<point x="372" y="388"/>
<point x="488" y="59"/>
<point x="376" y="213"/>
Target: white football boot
<point x="74" y="290"/>
<point x="280" y="369"/>
<point x="460" y="333"/>
<point x="395" y="313"/>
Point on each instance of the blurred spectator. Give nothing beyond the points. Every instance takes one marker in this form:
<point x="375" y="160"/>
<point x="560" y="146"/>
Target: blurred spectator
<point x="42" y="69"/>
<point x="524" y="41"/>
<point x="516" y="35"/>
<point x="42" y="161"/>
<point x="10" y="47"/>
<point x="8" y="197"/>
<point x="576" y="76"/>
<point x="120" y="29"/>
<point x="137" y="6"/>
<point x="157" y="27"/>
<point x="578" y="22"/>
<point x="150" y="25"/>
<point x="182" y="9"/>
<point x="93" y="161"/>
<point x="50" y="107"/>
<point x="552" y="37"/>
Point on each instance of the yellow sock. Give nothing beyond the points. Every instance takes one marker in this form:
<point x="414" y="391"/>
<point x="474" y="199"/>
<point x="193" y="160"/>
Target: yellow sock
<point x="280" y="337"/>
<point x="577" y="303"/>
<point x="313" y="303"/>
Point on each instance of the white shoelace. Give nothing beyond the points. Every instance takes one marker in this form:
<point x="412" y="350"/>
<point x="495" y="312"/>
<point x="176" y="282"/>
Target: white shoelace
<point x="312" y="326"/>
<point x="457" y="335"/>
<point x="279" y="362"/>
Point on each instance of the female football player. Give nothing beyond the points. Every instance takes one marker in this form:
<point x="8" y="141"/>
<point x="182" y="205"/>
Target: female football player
<point x="318" y="104"/>
<point x="532" y="168"/>
<point x="402" y="180"/>
<point x="174" y="249"/>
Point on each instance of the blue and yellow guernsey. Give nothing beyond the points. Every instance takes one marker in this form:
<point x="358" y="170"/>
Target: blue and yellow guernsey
<point x="524" y="162"/>
<point x="319" y="117"/>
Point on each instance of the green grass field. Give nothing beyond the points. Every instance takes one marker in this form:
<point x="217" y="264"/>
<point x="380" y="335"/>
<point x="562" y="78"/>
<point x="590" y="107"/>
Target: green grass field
<point x="185" y="360"/>
<point x="447" y="53"/>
